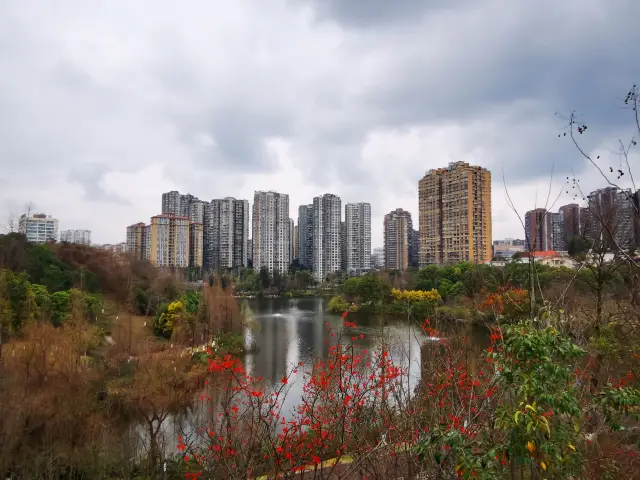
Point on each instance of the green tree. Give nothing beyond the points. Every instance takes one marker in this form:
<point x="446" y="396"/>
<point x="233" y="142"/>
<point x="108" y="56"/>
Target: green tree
<point x="368" y="288"/>
<point x="60" y="307"/>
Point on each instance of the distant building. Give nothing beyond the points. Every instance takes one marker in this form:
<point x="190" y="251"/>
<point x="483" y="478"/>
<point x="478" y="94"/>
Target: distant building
<point x="76" y="236"/>
<point x="291" y="240"/>
<point x="226" y="233"/>
<point x="398" y="239"/>
<point x="414" y="249"/>
<point x="115" y="248"/>
<point x="305" y="235"/>
<point x="377" y="258"/>
<point x="271" y="231"/>
<point x="507" y="248"/>
<point x="571" y="221"/>
<point x="611" y="216"/>
<point x="196" y="245"/>
<point x="455" y="214"/>
<point x="636" y="217"/>
<point x="188" y="206"/>
<point x="558" y="242"/>
<point x="135" y="240"/>
<point x="343" y="246"/>
<point x="327" y="254"/>
<point x="167" y="241"/>
<point x="296" y="243"/>
<point x="357" y="236"/>
<point x="38" y="227"/>
<point x="538" y="230"/>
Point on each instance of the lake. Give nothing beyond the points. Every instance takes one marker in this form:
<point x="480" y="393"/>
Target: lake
<point x="288" y="331"/>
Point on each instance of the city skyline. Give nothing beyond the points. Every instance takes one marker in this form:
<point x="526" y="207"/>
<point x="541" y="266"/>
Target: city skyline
<point x="116" y="125"/>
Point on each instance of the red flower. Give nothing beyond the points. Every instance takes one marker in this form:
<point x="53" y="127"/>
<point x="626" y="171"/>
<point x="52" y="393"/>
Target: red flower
<point x="284" y="380"/>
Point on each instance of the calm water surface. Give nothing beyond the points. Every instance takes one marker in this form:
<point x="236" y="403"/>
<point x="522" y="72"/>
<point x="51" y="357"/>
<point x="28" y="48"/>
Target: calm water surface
<point x="288" y="331"/>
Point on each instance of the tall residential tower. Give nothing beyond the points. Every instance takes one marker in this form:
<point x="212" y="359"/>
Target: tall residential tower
<point x="226" y="233"/>
<point x="327" y="257"/>
<point x="271" y="231"/>
<point x="455" y="214"/>
<point x="357" y="221"/>
<point x="398" y="237"/>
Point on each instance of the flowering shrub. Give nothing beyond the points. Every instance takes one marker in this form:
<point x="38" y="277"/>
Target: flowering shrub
<point x="507" y="301"/>
<point x="522" y="408"/>
<point x="413" y="296"/>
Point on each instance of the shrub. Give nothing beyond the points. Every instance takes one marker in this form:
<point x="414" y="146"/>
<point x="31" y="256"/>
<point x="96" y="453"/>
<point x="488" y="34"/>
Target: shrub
<point x="337" y="305"/>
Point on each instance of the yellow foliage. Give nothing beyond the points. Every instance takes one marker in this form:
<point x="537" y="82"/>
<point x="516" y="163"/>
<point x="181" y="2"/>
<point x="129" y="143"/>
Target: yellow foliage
<point x="413" y="296"/>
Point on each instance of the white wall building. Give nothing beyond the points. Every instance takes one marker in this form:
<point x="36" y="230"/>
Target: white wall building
<point x="76" y="236"/>
<point x="271" y="231"/>
<point x="327" y="213"/>
<point x="38" y="227"/>
<point x="357" y="218"/>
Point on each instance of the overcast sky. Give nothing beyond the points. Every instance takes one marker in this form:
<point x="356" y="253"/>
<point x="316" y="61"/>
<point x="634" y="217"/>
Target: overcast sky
<point x="105" y="105"/>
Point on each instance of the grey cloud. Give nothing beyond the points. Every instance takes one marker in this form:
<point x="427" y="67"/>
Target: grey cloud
<point x="122" y="89"/>
<point x="373" y="13"/>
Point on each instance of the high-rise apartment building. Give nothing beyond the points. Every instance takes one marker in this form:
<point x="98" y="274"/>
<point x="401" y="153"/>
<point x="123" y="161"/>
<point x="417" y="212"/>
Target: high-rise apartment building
<point x="175" y="203"/>
<point x="38" y="227"/>
<point x="398" y="232"/>
<point x="305" y="235"/>
<point x="557" y="232"/>
<point x="135" y="240"/>
<point x="226" y="233"/>
<point x="296" y="244"/>
<point x="455" y="214"/>
<point x="327" y="216"/>
<point x="271" y="231"/>
<point x="291" y="240"/>
<point x="343" y="246"/>
<point x="82" y="237"/>
<point x="414" y="249"/>
<point x="538" y="230"/>
<point x="636" y="217"/>
<point x="571" y="220"/>
<point x="611" y="216"/>
<point x="377" y="258"/>
<point x="196" y="245"/>
<point x="167" y="241"/>
<point x="357" y="219"/>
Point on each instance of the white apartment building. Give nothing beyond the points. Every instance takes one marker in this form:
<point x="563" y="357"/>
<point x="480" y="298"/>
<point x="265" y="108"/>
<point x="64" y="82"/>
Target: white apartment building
<point x="357" y="219"/>
<point x="271" y="231"/>
<point x="327" y="213"/>
<point x="38" y="227"/>
<point x="76" y="236"/>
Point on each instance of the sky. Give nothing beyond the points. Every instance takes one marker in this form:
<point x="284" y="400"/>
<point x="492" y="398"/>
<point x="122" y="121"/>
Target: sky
<point x="106" y="105"/>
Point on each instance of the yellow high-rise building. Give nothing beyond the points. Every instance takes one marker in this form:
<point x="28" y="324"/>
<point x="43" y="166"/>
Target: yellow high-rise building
<point x="167" y="241"/>
<point x="455" y="215"/>
<point x="135" y="240"/>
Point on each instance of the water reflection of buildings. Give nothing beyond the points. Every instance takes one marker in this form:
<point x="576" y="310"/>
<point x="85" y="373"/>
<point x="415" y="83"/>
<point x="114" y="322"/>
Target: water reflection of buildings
<point x="270" y="362"/>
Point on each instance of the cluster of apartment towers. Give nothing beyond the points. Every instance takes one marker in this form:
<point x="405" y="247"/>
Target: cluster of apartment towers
<point x="454" y="205"/>
<point x="216" y="235"/>
<point x="454" y="217"/>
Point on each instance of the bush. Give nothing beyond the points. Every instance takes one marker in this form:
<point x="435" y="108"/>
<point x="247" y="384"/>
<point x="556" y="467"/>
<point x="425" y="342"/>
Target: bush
<point x="337" y="305"/>
<point x="231" y="343"/>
